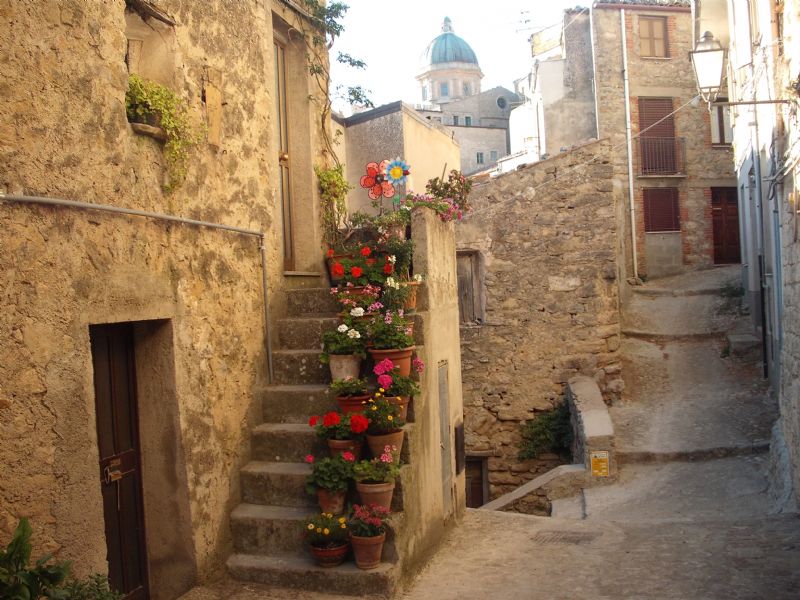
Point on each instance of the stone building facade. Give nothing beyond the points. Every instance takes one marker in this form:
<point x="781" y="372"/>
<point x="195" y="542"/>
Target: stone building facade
<point x="189" y="299"/>
<point x="538" y="285"/>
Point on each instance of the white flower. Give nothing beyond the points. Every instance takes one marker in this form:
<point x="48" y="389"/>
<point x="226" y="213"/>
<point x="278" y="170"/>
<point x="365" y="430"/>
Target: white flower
<point x="357" y="312"/>
<point x="391" y="282"/>
<point x="392" y="259"/>
<point x="341" y="328"/>
<point x="418" y="278"/>
<point x="353" y="334"/>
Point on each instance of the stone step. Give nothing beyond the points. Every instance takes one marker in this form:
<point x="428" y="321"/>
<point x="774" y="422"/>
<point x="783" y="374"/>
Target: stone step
<point x="299" y="367"/>
<point x="743" y="344"/>
<point x="298" y="333"/>
<point x="275" y="483"/>
<point x="295" y="403"/>
<point x="286" y="442"/>
<point x="261" y="529"/>
<point x="311" y="301"/>
<point x="301" y="573"/>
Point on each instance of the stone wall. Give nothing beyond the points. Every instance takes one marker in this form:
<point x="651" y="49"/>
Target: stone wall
<point x="548" y="279"/>
<point x="195" y="293"/>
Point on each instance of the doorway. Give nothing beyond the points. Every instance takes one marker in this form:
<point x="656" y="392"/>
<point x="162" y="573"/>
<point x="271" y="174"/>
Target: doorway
<point x="725" y="218"/>
<point x="120" y="462"/>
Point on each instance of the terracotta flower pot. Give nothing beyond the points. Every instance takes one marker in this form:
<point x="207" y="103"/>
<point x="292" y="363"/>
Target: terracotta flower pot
<point x="339" y="446"/>
<point x="331" y="502"/>
<point x="344" y="366"/>
<point x="352" y="404"/>
<point x="411" y="302"/>
<point x="400" y="357"/>
<point x="377" y="443"/>
<point x="330" y="557"/>
<point x="376" y="493"/>
<point x="402" y="403"/>
<point x="367" y="550"/>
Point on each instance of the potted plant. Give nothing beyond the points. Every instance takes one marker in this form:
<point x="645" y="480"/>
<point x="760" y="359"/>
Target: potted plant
<point x="396" y="388"/>
<point x="385" y="425"/>
<point x="343" y="349"/>
<point x="352" y="299"/>
<point x="329" y="480"/>
<point x="375" y="478"/>
<point x="351" y="394"/>
<point x="368" y="534"/>
<point x="410" y="297"/>
<point x="342" y="432"/>
<point x="328" y="538"/>
<point x="390" y="337"/>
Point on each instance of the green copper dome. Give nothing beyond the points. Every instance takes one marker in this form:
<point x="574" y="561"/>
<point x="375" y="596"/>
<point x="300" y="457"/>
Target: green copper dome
<point x="448" y="47"/>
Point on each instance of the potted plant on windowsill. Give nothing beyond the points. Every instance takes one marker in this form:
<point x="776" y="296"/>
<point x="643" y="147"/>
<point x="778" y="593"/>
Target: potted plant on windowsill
<point x="351" y="394"/>
<point x="342" y="432"/>
<point x="375" y="478"/>
<point x="396" y="388"/>
<point x="368" y="534"/>
<point x="390" y="337"/>
<point x="328" y="539"/>
<point x="329" y="480"/>
<point x="343" y="349"/>
<point x="385" y="425"/>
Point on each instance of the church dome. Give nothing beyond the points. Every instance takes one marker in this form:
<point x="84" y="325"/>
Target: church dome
<point x="447" y="47"/>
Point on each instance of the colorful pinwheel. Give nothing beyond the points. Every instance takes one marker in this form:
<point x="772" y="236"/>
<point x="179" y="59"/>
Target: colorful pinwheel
<point x="375" y="181"/>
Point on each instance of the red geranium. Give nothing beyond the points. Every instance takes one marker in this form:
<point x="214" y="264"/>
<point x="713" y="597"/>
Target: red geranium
<point x="365" y="251"/>
<point x="331" y="419"/>
<point x="356" y="271"/>
<point x="388" y="268"/>
<point x="337" y="269"/>
<point x="330" y="252"/>
<point x="312" y="422"/>
<point x="358" y="423"/>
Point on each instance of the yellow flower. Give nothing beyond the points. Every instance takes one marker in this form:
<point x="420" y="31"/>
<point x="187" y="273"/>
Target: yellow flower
<point x="381" y="390"/>
<point x="344" y="526"/>
<point x="319" y="529"/>
<point x="373" y="407"/>
<point x="328" y="515"/>
<point x="390" y="418"/>
<point x="342" y="519"/>
<point x="377" y="395"/>
<point x="326" y="531"/>
<point x="310" y="526"/>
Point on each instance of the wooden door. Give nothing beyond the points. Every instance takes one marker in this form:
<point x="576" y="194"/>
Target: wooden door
<point x="725" y="216"/>
<point x="657" y="140"/>
<point x="118" y="444"/>
<point x="284" y="174"/>
<point x="474" y="482"/>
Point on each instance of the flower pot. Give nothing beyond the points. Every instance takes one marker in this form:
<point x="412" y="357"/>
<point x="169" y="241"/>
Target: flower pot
<point x="377" y="442"/>
<point x="330" y="557"/>
<point x="376" y="493"/>
<point x="402" y="403"/>
<point x="344" y="366"/>
<point x="339" y="446"/>
<point x="367" y="550"/>
<point x="331" y="502"/>
<point x="411" y="301"/>
<point x="352" y="404"/>
<point x="400" y="357"/>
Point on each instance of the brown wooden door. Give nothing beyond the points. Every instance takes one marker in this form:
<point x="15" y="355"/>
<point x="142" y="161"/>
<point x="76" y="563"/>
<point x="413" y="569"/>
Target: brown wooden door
<point x="284" y="168"/>
<point x="725" y="216"/>
<point x="118" y="443"/>
<point x="657" y="139"/>
<point x="474" y="483"/>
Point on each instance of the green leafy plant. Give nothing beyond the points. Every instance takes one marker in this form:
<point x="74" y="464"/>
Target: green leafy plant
<point x="550" y="431"/>
<point x="333" y="188"/>
<point x="337" y="426"/>
<point x="368" y="521"/>
<point x="456" y="188"/>
<point x="344" y="340"/>
<point x="19" y="580"/>
<point x="402" y="250"/>
<point x="390" y="331"/>
<point x="331" y="473"/>
<point x="394" y="294"/>
<point x="351" y="386"/>
<point x="326" y="531"/>
<point x="381" y="469"/>
<point x="150" y="102"/>
<point x="384" y="416"/>
<point x="95" y="588"/>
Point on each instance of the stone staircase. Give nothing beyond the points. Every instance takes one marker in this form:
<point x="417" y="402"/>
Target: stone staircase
<point x="268" y="526"/>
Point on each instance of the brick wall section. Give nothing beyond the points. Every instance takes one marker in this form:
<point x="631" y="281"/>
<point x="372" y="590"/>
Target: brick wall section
<point x="551" y="299"/>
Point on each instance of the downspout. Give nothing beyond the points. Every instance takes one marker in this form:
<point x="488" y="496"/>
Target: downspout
<point x="175" y="219"/>
<point x="594" y="73"/>
<point x="629" y="142"/>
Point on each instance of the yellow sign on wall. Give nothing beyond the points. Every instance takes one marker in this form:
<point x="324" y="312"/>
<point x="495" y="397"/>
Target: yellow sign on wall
<point x="599" y="460"/>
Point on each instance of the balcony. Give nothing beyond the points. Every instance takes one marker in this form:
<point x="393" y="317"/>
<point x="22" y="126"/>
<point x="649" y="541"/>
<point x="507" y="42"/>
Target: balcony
<point x="661" y="156"/>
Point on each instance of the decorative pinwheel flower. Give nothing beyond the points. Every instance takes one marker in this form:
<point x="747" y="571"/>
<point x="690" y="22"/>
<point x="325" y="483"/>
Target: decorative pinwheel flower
<point x="397" y="171"/>
<point x="375" y="181"/>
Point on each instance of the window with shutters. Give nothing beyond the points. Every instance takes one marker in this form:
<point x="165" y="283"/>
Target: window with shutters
<point x="661" y="210"/>
<point x="470" y="291"/>
<point x="653" y="37"/>
<point x="660" y="152"/>
<point x="721" y="132"/>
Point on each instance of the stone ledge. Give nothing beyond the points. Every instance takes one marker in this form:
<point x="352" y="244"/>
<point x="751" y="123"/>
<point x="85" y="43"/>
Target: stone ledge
<point x="591" y="424"/>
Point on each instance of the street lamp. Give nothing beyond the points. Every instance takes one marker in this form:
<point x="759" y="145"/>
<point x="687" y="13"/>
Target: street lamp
<point x="708" y="61"/>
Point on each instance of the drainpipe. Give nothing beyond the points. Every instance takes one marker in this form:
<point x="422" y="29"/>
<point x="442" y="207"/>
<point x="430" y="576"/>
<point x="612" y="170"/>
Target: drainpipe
<point x="629" y="141"/>
<point x="594" y="73"/>
<point x="165" y="217"/>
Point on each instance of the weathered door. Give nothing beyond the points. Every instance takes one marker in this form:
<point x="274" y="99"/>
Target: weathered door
<point x="657" y="139"/>
<point x="725" y="215"/>
<point x="283" y="156"/>
<point x="118" y="443"/>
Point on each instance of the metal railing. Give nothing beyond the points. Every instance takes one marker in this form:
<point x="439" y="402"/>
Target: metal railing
<point x="659" y="156"/>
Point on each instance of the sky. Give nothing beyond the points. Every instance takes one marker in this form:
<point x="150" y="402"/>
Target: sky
<point x="391" y="38"/>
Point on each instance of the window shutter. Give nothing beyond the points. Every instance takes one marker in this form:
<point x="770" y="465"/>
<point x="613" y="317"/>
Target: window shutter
<point x="466" y="287"/>
<point x="661" y="210"/>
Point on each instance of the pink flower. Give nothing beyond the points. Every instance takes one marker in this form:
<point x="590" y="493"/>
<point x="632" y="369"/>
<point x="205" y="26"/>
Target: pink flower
<point x="309" y="458"/>
<point x="348" y="456"/>
<point x="386" y="458"/>
<point x="385" y="366"/>
<point x="388" y="448"/>
<point x="388" y="318"/>
<point x="418" y="365"/>
<point x="385" y="381"/>
<point x="400" y="313"/>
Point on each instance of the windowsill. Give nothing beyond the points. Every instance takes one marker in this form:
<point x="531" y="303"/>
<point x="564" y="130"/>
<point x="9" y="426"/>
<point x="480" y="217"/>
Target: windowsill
<point x="660" y="176"/>
<point x="302" y="274"/>
<point x="722" y="146"/>
<point x="671" y="232"/>
<point x="655" y="57"/>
